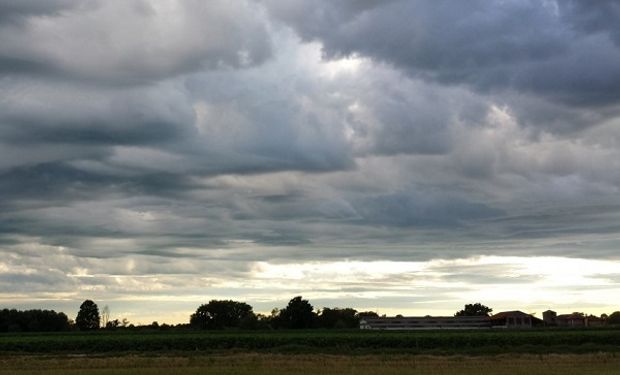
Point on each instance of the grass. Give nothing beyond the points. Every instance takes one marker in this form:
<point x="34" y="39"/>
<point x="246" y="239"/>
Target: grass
<point x="260" y="363"/>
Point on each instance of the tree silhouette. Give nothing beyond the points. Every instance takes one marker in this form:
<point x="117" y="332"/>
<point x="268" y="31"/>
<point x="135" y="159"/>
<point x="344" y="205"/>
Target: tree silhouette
<point x="367" y="314"/>
<point x="220" y="314"/>
<point x="614" y="318"/>
<point x="88" y="316"/>
<point x="32" y="321"/>
<point x="338" y="318"/>
<point x="476" y="309"/>
<point x="297" y="314"/>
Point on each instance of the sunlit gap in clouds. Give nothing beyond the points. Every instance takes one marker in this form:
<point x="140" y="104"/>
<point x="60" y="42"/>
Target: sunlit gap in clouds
<point x="511" y="282"/>
<point x="346" y="65"/>
<point x="434" y="287"/>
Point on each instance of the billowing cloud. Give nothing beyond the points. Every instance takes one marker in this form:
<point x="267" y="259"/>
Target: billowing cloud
<point x="132" y="42"/>
<point x="563" y="52"/>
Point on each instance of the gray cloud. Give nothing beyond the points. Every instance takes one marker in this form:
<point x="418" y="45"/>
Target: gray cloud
<point x="593" y="17"/>
<point x="131" y="42"/>
<point x="40" y="113"/>
<point x="561" y="52"/>
<point x="421" y="209"/>
<point x="15" y="11"/>
<point x="166" y="153"/>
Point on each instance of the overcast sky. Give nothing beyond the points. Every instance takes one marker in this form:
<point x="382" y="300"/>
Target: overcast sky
<point x="404" y="156"/>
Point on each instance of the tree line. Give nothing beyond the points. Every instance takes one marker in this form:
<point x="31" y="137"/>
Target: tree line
<point x="214" y="315"/>
<point x="33" y="321"/>
<point x="298" y="314"/>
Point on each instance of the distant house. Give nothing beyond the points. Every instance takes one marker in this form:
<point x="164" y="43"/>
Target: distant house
<point x="505" y="319"/>
<point x="514" y="319"/>
<point x="573" y="320"/>
<point x="425" y="323"/>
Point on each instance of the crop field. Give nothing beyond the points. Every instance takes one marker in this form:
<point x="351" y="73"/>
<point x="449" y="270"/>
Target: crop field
<point x="565" y="352"/>
<point x="263" y="364"/>
<point x="331" y="342"/>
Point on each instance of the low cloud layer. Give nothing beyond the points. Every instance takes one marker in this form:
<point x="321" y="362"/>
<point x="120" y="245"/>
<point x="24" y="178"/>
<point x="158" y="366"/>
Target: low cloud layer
<point x="142" y="145"/>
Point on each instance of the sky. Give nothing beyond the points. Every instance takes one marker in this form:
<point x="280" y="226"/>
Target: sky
<point x="401" y="156"/>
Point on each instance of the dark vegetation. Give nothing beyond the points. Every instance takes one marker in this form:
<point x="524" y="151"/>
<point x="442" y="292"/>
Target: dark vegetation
<point x="614" y="318"/>
<point x="33" y="321"/>
<point x="88" y="317"/>
<point x="482" y="342"/>
<point x="298" y="314"/>
<point x="222" y="314"/>
<point x="475" y="309"/>
<point x="262" y="363"/>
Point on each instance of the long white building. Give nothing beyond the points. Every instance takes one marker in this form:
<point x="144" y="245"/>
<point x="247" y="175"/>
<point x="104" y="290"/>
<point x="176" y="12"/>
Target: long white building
<point x="426" y="322"/>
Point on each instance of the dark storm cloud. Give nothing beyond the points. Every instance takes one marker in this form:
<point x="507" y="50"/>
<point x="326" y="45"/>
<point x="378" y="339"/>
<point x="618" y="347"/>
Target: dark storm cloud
<point x="421" y="210"/>
<point x="14" y="11"/>
<point x="559" y="51"/>
<point x="33" y="282"/>
<point x="593" y="219"/>
<point x="55" y="182"/>
<point x="61" y="122"/>
<point x="593" y="16"/>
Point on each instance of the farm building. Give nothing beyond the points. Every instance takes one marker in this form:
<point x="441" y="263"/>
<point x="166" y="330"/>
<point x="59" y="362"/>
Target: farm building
<point x="571" y="320"/>
<point x="593" y="321"/>
<point x="514" y="319"/>
<point x="550" y="317"/>
<point x="579" y="320"/>
<point x="426" y="322"/>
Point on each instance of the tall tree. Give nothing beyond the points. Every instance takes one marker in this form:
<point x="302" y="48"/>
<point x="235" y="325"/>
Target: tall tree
<point x="88" y="317"/>
<point x="222" y="314"/>
<point x="475" y="309"/>
<point x="299" y="313"/>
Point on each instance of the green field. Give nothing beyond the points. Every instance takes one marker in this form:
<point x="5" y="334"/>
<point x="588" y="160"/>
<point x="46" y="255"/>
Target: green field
<point x="338" y="342"/>
<point x="263" y="364"/>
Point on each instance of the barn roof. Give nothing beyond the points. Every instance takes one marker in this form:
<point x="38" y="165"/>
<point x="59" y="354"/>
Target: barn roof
<point x="570" y="316"/>
<point x="511" y="314"/>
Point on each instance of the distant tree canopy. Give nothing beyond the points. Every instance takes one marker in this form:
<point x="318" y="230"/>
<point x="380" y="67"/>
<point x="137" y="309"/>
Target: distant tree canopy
<point x="88" y="317"/>
<point x="338" y="318"/>
<point x="298" y="314"/>
<point x="32" y="321"/>
<point x="614" y="318"/>
<point x="476" y="309"/>
<point x="222" y="314"/>
<point x="367" y="314"/>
